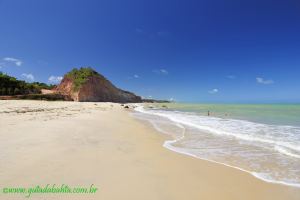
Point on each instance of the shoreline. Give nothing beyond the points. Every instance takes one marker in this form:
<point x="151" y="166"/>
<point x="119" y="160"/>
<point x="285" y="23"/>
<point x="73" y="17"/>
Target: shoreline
<point x="226" y="165"/>
<point x="168" y="144"/>
<point x="101" y="144"/>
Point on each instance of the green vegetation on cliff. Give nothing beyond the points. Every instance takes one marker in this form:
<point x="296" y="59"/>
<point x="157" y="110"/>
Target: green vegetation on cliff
<point x="80" y="76"/>
<point x="11" y="86"/>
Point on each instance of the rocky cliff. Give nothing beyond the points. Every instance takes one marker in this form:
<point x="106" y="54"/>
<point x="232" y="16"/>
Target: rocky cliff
<point x="85" y="84"/>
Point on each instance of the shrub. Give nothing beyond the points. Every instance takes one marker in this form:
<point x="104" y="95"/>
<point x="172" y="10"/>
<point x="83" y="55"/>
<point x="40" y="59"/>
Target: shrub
<point x="80" y="76"/>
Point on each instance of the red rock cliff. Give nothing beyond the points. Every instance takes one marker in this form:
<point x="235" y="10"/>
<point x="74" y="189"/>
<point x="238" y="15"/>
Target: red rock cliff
<point x="96" y="88"/>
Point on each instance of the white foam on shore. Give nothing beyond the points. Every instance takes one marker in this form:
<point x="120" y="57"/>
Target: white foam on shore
<point x="286" y="151"/>
<point x="238" y="129"/>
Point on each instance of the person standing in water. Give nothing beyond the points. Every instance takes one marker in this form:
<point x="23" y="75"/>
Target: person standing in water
<point x="208" y="113"/>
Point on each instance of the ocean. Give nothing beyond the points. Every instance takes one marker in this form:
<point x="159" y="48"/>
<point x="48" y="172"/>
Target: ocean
<point x="261" y="139"/>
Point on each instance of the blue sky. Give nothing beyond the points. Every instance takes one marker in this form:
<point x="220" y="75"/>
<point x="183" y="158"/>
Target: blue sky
<point x="196" y="51"/>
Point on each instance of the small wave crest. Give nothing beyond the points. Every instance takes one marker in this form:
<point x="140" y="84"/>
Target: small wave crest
<point x="266" y="151"/>
<point x="279" y="136"/>
<point x="286" y="151"/>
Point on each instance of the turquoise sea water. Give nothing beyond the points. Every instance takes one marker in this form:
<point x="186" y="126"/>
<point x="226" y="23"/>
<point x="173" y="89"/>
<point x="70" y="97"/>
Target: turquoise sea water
<point x="280" y="114"/>
<point x="262" y="139"/>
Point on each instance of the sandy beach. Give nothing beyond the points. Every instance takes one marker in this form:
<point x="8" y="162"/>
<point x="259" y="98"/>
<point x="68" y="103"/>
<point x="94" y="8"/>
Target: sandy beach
<point x="80" y="144"/>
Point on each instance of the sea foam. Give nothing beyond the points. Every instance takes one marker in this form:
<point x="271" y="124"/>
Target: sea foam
<point x="269" y="152"/>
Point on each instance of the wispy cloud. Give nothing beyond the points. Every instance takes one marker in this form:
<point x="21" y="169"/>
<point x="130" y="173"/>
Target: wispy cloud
<point x="139" y="30"/>
<point x="42" y="62"/>
<point x="28" y="77"/>
<point x="55" y="79"/>
<point x="161" y="71"/>
<point x="151" y="34"/>
<point x="231" y="77"/>
<point x="162" y="33"/>
<point x="135" y="76"/>
<point x="264" y="81"/>
<point x="213" y="91"/>
<point x="16" y="61"/>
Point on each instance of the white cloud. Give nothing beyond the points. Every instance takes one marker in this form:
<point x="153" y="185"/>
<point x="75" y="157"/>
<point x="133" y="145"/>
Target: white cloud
<point x="28" y="77"/>
<point x="161" y="71"/>
<point x="263" y="81"/>
<point x="164" y="71"/>
<point x="16" y="61"/>
<point x="231" y="76"/>
<point x="135" y="76"/>
<point x="55" y="79"/>
<point x="213" y="91"/>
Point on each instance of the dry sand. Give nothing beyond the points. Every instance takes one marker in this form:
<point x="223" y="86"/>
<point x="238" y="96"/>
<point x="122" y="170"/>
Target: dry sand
<point x="80" y="144"/>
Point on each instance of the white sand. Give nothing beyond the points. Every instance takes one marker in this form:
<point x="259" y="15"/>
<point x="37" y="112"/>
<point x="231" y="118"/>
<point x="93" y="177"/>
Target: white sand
<point x="80" y="144"/>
